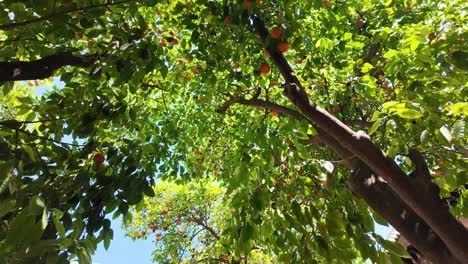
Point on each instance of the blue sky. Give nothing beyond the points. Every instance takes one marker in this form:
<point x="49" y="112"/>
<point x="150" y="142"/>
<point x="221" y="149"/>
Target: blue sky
<point x="123" y="250"/>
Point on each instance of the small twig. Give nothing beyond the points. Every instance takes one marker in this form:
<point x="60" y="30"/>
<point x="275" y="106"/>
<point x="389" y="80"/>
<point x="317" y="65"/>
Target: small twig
<point x="47" y="17"/>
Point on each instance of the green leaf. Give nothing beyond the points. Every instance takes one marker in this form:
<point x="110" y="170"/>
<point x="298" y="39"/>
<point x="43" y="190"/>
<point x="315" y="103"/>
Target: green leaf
<point x="31" y="153"/>
<point x="36" y="205"/>
<point x="390" y="54"/>
<point x="392" y="247"/>
<point x="395" y="259"/>
<point x="375" y="126"/>
<point x="148" y="191"/>
<point x="458" y="129"/>
<point x="366" y="67"/>
<point x="460" y="59"/>
<point x="409" y="113"/>
<point x="56" y="216"/>
<point x="6" y="206"/>
<point x="446" y="133"/>
<point x="83" y="256"/>
<point x="460" y="109"/>
<point x="424" y="136"/>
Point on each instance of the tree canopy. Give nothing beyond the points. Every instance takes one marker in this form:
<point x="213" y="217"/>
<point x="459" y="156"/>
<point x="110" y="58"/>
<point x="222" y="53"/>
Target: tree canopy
<point x="294" y="125"/>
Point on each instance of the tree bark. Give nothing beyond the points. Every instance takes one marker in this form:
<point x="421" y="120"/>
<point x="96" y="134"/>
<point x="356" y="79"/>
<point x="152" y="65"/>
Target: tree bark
<point x="428" y="207"/>
<point x="378" y="194"/>
<point x="42" y="68"/>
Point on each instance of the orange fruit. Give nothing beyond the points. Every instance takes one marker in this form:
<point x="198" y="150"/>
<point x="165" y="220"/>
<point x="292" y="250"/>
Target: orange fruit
<point x="188" y="58"/>
<point x="274" y="113"/>
<point x="264" y="69"/>
<point x="99" y="158"/>
<point x="196" y="70"/>
<point x="283" y="46"/>
<point x="360" y="23"/>
<point x="326" y="3"/>
<point x="79" y="35"/>
<point x="267" y="54"/>
<point x="248" y="4"/>
<point x="237" y="65"/>
<point x="163" y="42"/>
<point x="175" y="41"/>
<point x="276" y="33"/>
<point x="336" y="108"/>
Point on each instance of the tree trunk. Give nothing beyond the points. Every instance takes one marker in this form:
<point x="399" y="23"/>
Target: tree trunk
<point x="427" y="206"/>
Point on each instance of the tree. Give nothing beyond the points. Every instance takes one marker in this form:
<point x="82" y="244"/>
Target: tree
<point x="189" y="223"/>
<point x="186" y="90"/>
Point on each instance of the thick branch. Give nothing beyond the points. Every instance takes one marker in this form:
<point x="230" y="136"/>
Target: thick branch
<point x="428" y="208"/>
<point x="42" y="68"/>
<point x="278" y="108"/>
<point x="386" y="203"/>
<point x="55" y="15"/>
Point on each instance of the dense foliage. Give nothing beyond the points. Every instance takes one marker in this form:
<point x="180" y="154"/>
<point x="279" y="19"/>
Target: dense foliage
<point x="185" y="92"/>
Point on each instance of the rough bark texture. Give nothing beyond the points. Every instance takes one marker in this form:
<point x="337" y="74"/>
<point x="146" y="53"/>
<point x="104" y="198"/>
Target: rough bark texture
<point x="428" y="207"/>
<point x="42" y="68"/>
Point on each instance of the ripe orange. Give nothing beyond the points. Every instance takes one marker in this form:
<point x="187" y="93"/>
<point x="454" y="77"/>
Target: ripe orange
<point x="237" y="65"/>
<point x="283" y="46"/>
<point x="175" y="41"/>
<point x="274" y="113"/>
<point x="180" y="61"/>
<point x="326" y="3"/>
<point x="171" y="33"/>
<point x="99" y="158"/>
<point x="438" y="172"/>
<point x="248" y="4"/>
<point x="196" y="70"/>
<point x="360" y="23"/>
<point x="79" y="35"/>
<point x="160" y="31"/>
<point x="267" y="54"/>
<point x="276" y="33"/>
<point x="336" y="108"/>
<point x="163" y="42"/>
<point x="188" y="58"/>
<point x="431" y="36"/>
<point x="264" y="69"/>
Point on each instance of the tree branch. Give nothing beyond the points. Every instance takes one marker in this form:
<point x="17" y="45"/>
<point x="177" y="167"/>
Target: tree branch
<point x="208" y="228"/>
<point x="358" y="143"/>
<point x="42" y="68"/>
<point x="54" y="15"/>
<point x="386" y="203"/>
